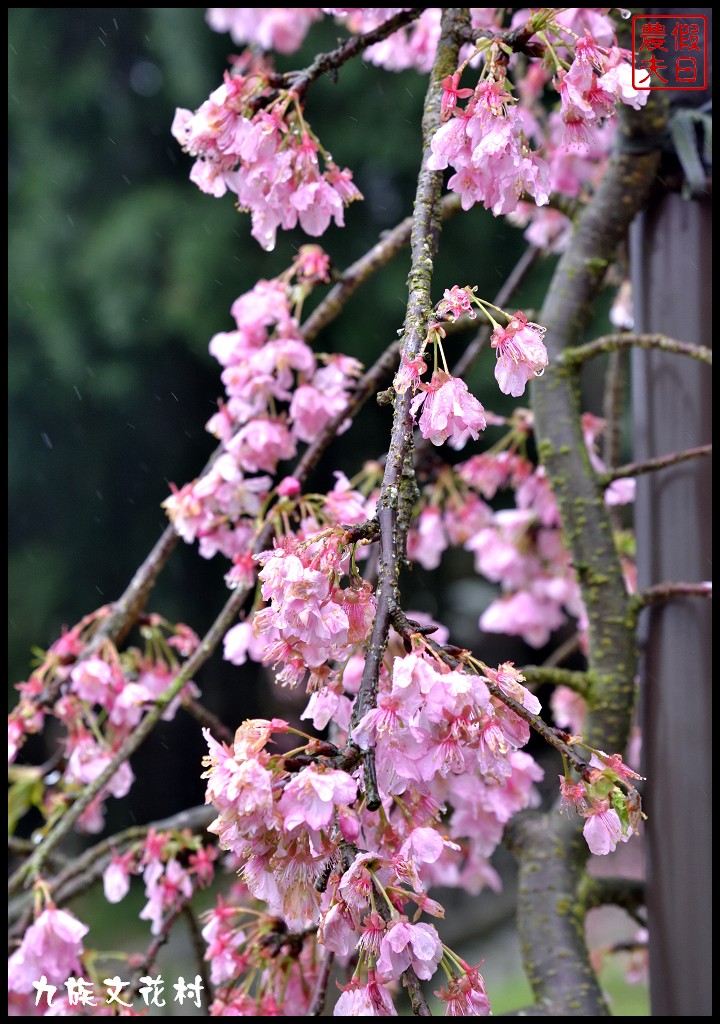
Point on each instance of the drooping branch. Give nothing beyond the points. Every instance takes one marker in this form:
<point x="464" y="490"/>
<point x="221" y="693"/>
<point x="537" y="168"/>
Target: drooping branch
<point x="123" y="613"/>
<point x="130" y="605"/>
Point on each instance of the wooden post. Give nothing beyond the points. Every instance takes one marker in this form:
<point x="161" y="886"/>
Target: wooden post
<point x="672" y="292"/>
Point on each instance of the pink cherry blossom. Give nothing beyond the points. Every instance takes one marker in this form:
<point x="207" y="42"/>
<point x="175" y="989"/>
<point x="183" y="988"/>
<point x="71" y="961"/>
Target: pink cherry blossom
<point x="272" y="28"/>
<point x="165" y="886"/>
<point x="466" y="995"/>
<point x="449" y="411"/>
<point x="116" y="876"/>
<point x="603" y="830"/>
<point x="409" y="374"/>
<point x="451" y="94"/>
<point x="427" y="539"/>
<point x="409" y="945"/>
<point x="520" y="352"/>
<point x="312" y="795"/>
<point x="52" y="946"/>
<point x="369" y="1000"/>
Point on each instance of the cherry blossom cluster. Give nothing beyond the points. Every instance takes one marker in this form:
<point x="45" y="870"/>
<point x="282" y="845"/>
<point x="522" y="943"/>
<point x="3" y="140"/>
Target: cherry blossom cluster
<point x="451" y="774"/>
<point x="337" y="843"/>
<point x="98" y="699"/>
<point x="285" y="28"/>
<point x="278" y="393"/>
<point x="449" y="411"/>
<point x="493" y="143"/>
<point x="519" y="547"/>
<point x="52" y="947"/>
<point x="311" y="620"/>
<point x="501" y="151"/>
<point x="253" y="140"/>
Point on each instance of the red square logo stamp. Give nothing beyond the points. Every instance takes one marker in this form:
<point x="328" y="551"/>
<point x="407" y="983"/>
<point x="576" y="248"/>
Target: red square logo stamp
<point x="671" y="49"/>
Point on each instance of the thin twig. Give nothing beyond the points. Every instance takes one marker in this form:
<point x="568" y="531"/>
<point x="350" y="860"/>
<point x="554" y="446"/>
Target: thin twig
<point x="329" y="63"/>
<point x="151" y="953"/>
<point x="565" y="650"/>
<point x="615" y="342"/>
<point x="317" y="1003"/>
<point x="198" y="944"/>
<point x="208" y="719"/>
<point x="398" y="490"/>
<point x="542" y="675"/>
<point x="660" y="592"/>
<point x="650" y="465"/>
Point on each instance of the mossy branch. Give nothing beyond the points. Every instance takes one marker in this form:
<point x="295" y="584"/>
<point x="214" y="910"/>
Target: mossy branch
<point x="617" y="342"/>
<point x="398" y="489"/>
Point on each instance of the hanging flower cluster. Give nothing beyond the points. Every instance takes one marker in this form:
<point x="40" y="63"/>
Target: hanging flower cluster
<point x="253" y="140"/>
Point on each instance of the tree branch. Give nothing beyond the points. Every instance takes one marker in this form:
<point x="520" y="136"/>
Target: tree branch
<point x="317" y="1003"/>
<point x="616" y="342"/>
<point x="329" y="63"/>
<point x="661" y="592"/>
<point x="650" y="465"/>
<point x="627" y="893"/>
<point x="398" y="490"/>
<point x="540" y="675"/>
